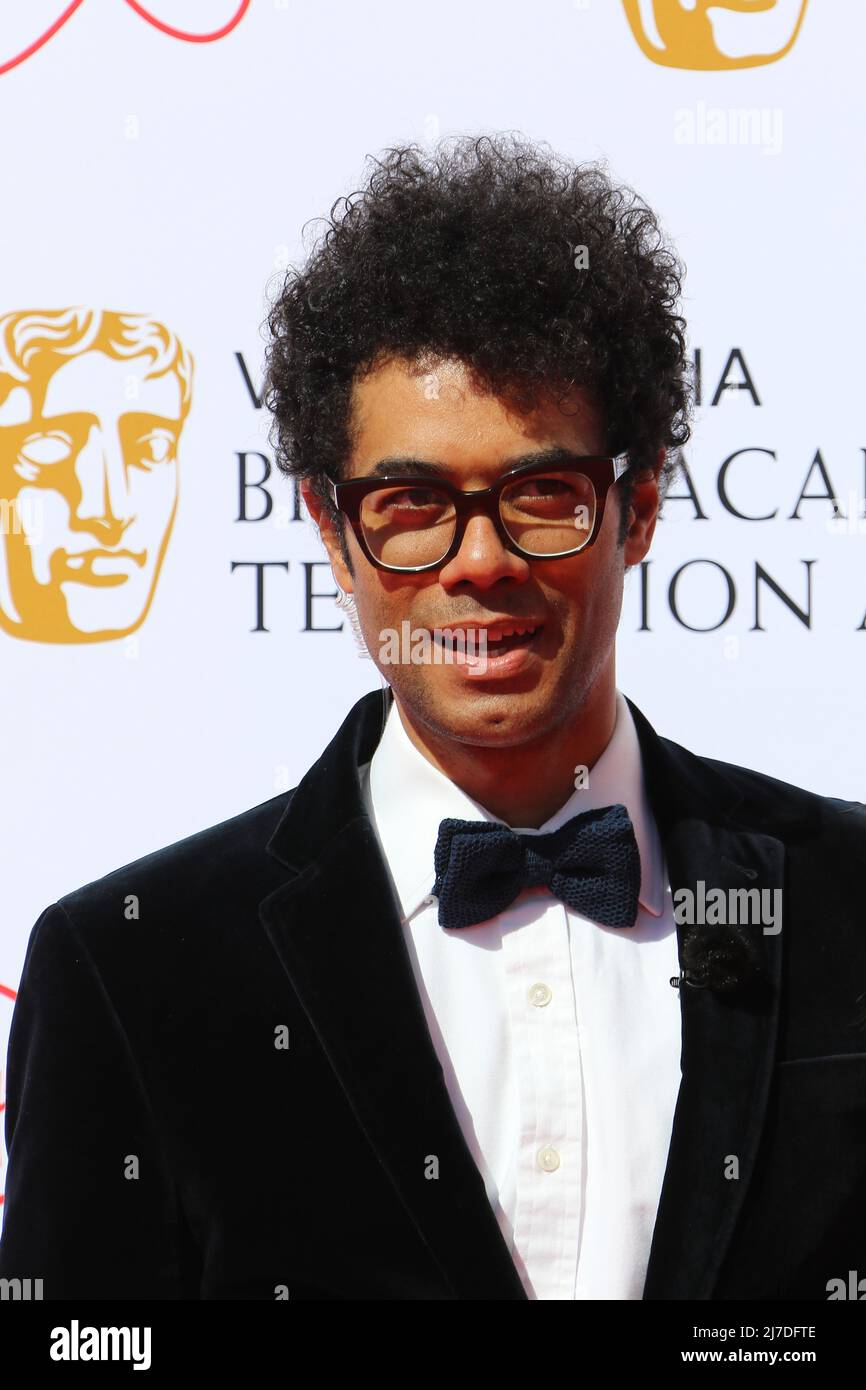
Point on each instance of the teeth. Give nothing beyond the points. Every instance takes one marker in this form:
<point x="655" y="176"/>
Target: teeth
<point x="492" y="633"/>
<point x="513" y="631"/>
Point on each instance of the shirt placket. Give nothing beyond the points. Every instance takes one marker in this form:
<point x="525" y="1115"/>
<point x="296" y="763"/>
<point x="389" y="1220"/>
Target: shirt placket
<point x="546" y="1049"/>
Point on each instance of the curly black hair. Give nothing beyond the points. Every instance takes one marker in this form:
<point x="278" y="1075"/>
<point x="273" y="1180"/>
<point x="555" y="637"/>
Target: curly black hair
<point x="539" y="274"/>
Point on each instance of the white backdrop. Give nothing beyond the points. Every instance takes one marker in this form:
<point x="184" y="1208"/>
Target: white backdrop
<point x="147" y="174"/>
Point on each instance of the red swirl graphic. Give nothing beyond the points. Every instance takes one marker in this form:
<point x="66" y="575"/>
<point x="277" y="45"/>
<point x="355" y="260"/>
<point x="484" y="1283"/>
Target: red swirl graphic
<point x="139" y="10"/>
<point x="181" y="33"/>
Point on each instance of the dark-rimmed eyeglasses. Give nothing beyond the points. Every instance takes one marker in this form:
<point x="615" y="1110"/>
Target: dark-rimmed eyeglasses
<point x="408" y="523"/>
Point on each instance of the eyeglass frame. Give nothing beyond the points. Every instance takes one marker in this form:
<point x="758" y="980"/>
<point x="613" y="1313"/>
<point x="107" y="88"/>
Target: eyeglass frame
<point x="603" y="471"/>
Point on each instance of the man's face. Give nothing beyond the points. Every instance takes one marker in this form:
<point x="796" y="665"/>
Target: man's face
<point x="94" y="476"/>
<point x="575" y="602"/>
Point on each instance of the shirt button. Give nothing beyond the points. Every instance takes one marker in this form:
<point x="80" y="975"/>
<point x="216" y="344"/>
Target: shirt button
<point x="539" y="995"/>
<point x="548" y="1159"/>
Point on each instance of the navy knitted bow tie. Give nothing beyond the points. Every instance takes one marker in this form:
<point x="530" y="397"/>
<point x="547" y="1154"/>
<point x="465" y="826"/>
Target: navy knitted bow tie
<point x="592" y="863"/>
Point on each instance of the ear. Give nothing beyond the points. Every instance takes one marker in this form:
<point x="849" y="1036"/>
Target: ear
<point x="643" y="511"/>
<point x="330" y="539"/>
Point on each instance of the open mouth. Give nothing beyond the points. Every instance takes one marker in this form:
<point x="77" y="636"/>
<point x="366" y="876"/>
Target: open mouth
<point x="494" y="641"/>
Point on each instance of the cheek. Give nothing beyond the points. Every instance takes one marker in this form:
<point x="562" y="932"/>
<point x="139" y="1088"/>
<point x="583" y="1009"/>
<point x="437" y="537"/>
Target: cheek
<point x="607" y="589"/>
<point x="591" y="608"/>
<point x="379" y="608"/>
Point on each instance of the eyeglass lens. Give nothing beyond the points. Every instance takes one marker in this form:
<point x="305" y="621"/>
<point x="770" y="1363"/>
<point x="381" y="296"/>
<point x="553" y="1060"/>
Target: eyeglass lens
<point x="414" y="525"/>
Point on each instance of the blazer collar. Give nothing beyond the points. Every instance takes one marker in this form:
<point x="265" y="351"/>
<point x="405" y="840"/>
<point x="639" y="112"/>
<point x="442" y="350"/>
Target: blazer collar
<point x="680" y="785"/>
<point x="328" y="798"/>
<point x="335" y="925"/>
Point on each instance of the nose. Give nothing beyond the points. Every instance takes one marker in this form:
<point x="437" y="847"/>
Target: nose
<point x="482" y="559"/>
<point x="104" y="502"/>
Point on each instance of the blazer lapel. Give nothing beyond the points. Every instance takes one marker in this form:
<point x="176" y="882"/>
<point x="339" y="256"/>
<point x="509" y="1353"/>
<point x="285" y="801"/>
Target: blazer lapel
<point x="728" y="1043"/>
<point x="335" y="926"/>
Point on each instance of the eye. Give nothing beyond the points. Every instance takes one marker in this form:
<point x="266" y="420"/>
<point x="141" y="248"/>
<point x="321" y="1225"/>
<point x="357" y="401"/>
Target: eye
<point x="155" y="447"/>
<point x="542" y="487"/>
<point x="415" y="497"/>
<point x="408" y="499"/>
<point x="43" y="450"/>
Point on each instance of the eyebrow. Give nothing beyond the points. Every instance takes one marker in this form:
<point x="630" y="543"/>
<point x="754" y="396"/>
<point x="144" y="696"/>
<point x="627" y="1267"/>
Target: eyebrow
<point x="553" y="457"/>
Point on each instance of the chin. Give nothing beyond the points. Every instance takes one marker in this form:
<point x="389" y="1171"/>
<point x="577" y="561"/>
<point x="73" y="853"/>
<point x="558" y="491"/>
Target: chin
<point x="491" y="716"/>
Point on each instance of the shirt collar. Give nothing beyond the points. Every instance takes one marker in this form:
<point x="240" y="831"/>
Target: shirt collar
<point x="407" y="797"/>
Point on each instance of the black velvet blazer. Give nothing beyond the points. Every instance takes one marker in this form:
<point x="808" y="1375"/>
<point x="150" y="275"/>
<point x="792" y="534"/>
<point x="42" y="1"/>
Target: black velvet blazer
<point x="221" y="1084"/>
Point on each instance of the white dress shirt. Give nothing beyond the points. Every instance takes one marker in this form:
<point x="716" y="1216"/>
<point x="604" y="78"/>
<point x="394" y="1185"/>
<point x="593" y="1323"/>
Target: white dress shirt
<point x="559" y="1038"/>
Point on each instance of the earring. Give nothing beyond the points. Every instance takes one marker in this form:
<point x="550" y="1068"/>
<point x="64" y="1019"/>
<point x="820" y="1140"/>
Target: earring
<point x="347" y="603"/>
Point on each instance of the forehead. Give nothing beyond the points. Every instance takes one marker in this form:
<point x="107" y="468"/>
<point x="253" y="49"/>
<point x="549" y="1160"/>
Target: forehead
<point x="95" y="382"/>
<point x="434" y="409"/>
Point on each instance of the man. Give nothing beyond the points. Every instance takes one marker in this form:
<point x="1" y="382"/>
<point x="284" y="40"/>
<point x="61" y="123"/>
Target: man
<point x="478" y="1032"/>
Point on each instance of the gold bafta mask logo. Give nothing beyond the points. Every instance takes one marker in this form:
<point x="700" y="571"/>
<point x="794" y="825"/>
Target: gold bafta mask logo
<point x="715" y="34"/>
<point x="91" y="408"/>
